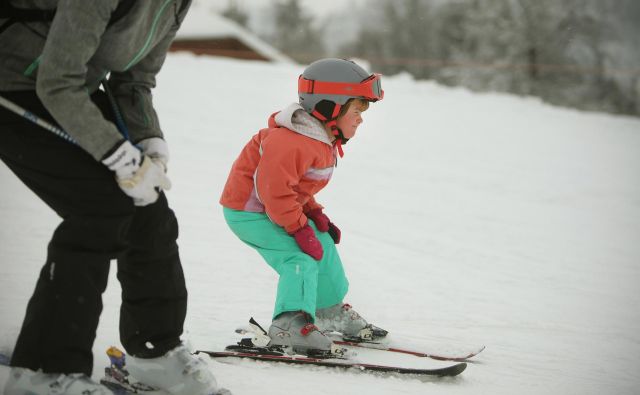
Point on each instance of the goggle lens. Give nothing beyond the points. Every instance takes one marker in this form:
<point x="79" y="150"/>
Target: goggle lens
<point x="373" y="82"/>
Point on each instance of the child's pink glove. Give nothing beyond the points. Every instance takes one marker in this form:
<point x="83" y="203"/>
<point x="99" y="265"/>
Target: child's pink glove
<point x="324" y="224"/>
<point x="308" y="242"/>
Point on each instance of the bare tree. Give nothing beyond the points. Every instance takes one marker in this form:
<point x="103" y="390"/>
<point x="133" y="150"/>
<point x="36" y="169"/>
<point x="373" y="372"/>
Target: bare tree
<point x="236" y="13"/>
<point x="580" y="53"/>
<point x="295" y="33"/>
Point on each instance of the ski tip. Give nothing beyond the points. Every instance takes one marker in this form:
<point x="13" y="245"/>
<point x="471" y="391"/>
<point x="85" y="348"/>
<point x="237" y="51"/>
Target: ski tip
<point x="450" y="371"/>
<point x="461" y="367"/>
<point x="478" y="351"/>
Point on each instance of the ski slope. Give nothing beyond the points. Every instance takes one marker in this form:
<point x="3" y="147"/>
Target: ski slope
<point x="467" y="219"/>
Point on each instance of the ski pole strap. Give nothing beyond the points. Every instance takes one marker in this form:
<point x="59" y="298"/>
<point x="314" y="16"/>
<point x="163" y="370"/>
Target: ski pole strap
<point x="11" y="106"/>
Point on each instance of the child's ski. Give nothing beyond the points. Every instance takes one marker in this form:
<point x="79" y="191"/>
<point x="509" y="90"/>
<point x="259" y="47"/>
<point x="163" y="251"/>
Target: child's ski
<point x="377" y="341"/>
<point x="265" y="354"/>
<point x="462" y="357"/>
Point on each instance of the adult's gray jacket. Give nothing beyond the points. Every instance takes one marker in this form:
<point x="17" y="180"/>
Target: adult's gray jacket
<point x="64" y="61"/>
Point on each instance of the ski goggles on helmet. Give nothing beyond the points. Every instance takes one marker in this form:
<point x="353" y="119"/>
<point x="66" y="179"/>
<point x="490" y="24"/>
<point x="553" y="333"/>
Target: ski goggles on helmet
<point x="368" y="89"/>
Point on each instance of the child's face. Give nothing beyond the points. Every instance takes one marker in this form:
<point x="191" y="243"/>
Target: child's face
<point x="350" y="121"/>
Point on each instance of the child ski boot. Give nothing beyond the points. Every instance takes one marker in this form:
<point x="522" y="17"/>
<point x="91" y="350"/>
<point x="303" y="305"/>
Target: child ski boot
<point x="295" y="331"/>
<point x="344" y="319"/>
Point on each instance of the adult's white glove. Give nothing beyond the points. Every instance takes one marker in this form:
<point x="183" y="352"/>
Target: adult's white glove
<point x="156" y="149"/>
<point x="139" y="176"/>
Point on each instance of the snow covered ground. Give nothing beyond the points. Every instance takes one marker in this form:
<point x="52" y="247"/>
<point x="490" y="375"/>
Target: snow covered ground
<point x="467" y="219"/>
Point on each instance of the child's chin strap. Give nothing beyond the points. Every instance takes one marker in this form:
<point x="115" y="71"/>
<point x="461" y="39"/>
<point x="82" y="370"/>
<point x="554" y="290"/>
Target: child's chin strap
<point x="332" y="123"/>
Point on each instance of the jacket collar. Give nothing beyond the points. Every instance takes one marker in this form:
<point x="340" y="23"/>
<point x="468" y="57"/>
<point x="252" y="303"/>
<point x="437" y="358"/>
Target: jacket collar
<point x="295" y="118"/>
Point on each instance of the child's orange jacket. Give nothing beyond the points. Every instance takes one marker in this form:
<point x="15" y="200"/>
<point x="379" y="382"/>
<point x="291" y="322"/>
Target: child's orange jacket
<point x="280" y="170"/>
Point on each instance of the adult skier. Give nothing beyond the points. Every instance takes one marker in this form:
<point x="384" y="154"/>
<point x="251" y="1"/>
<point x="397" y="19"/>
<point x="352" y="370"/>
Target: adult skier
<point x="107" y="186"/>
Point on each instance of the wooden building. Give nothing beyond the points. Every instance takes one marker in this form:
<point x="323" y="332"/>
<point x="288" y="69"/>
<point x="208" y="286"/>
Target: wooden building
<point x="204" y="32"/>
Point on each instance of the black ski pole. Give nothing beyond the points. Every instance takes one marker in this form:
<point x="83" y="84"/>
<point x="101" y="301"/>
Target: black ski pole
<point x="28" y="115"/>
<point x="120" y="123"/>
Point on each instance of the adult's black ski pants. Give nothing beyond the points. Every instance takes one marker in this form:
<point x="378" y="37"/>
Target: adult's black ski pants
<point x="99" y="224"/>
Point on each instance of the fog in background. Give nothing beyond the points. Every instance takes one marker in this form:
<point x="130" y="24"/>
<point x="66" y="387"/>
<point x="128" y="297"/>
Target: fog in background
<point x="577" y="53"/>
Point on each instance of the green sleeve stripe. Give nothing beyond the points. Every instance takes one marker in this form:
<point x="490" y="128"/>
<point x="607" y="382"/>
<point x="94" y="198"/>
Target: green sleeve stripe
<point x="154" y="26"/>
<point x="32" y="67"/>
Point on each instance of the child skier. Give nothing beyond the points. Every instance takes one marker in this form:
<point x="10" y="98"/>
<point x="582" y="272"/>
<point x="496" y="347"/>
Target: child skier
<point x="268" y="202"/>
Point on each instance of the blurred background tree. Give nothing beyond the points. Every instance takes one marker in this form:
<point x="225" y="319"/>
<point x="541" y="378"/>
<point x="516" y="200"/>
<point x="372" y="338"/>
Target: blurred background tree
<point x="294" y="32"/>
<point x="579" y="53"/>
<point x="236" y="13"/>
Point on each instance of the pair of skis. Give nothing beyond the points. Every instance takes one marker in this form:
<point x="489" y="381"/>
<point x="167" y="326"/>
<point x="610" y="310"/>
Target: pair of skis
<point x="346" y="364"/>
<point x="256" y="348"/>
<point x="118" y="380"/>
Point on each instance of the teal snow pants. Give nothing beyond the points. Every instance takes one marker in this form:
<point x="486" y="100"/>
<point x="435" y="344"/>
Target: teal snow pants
<point x="304" y="284"/>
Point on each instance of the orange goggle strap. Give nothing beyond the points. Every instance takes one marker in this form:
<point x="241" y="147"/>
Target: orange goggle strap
<point x="338" y="144"/>
<point x="362" y="89"/>
<point x="334" y="127"/>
